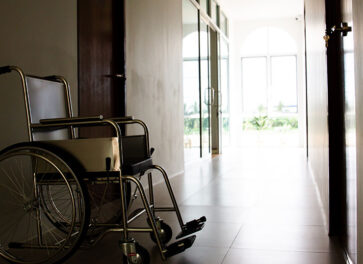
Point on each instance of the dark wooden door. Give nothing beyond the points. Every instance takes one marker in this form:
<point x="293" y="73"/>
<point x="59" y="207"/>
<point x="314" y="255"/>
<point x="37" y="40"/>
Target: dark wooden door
<point x="342" y="124"/>
<point x="101" y="60"/>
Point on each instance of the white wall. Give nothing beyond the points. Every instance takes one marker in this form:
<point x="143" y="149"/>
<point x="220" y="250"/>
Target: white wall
<point x="40" y="36"/>
<point x="317" y="87"/>
<point x="239" y="31"/>
<point x="154" y="75"/>
<point x="358" y="38"/>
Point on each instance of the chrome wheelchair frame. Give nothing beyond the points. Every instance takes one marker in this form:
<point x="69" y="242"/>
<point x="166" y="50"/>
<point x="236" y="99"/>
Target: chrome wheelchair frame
<point x="59" y="225"/>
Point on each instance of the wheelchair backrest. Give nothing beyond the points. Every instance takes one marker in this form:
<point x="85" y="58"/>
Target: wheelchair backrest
<point x="47" y="99"/>
<point x="134" y="147"/>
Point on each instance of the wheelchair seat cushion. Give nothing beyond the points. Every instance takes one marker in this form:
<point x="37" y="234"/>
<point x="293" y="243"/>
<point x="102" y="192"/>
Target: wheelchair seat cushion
<point x="92" y="154"/>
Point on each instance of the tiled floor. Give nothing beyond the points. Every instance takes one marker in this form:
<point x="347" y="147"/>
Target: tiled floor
<point x="261" y="208"/>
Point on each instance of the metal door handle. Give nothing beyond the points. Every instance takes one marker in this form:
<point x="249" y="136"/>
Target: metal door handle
<point x="342" y="28"/>
<point x="117" y="75"/>
<point x="212" y="95"/>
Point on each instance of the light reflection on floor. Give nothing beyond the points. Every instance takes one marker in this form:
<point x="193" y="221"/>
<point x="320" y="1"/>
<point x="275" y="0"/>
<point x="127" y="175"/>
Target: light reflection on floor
<point x="261" y="208"/>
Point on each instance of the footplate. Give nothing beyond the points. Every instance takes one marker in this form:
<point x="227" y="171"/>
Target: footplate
<point x="192" y="227"/>
<point x="179" y="246"/>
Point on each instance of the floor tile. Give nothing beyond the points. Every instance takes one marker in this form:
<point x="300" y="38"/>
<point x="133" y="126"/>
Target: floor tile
<point x="233" y="193"/>
<point x="200" y="255"/>
<point x="216" y="214"/>
<point x="285" y="216"/>
<point x="278" y="237"/>
<point x="218" y="234"/>
<point x="261" y="208"/>
<point x="245" y="256"/>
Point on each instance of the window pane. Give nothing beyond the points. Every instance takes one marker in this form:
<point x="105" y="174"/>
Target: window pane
<point x="224" y="24"/>
<point x="254" y="85"/>
<point x="214" y="12"/>
<point x="284" y="84"/>
<point x="204" y="5"/>
<point x="224" y="82"/>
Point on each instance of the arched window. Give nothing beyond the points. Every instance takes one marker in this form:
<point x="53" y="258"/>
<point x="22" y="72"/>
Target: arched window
<point x="268" y="41"/>
<point x="269" y="72"/>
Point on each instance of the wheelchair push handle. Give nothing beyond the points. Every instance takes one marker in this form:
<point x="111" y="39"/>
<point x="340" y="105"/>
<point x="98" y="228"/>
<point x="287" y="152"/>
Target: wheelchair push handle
<point x="5" y="69"/>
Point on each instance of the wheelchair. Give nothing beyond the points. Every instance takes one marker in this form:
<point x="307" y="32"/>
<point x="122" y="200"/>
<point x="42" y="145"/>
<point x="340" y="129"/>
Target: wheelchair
<point x="59" y="192"/>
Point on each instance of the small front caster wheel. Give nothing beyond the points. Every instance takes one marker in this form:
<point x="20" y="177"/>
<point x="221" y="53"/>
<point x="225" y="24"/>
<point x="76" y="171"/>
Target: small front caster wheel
<point x="140" y="257"/>
<point x="164" y="230"/>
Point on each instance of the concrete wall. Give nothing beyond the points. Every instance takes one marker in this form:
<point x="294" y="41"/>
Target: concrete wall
<point x="154" y="75"/>
<point x="317" y="99"/>
<point x="40" y="36"/>
<point x="239" y="31"/>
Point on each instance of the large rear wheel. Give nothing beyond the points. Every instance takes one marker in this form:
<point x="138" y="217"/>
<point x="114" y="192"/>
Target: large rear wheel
<point x="44" y="211"/>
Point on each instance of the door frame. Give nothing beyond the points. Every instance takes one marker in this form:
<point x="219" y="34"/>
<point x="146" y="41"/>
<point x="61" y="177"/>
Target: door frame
<point x="216" y="122"/>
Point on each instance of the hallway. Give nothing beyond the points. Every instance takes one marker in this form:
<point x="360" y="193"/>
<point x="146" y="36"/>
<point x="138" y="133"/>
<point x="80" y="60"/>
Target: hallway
<point x="261" y="207"/>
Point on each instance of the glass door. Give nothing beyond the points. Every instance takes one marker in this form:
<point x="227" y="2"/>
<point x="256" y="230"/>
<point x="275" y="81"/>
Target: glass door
<point x="205" y="89"/>
<point x="196" y="84"/>
<point x="191" y="83"/>
<point x="224" y="92"/>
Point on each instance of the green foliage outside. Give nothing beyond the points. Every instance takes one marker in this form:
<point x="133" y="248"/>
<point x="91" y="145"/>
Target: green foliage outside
<point x="191" y="125"/>
<point x="263" y="122"/>
<point x="225" y="124"/>
<point x="191" y="120"/>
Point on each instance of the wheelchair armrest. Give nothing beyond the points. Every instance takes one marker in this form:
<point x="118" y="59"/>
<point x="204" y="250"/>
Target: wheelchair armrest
<point x="123" y="118"/>
<point x="55" y="121"/>
<point x="5" y="69"/>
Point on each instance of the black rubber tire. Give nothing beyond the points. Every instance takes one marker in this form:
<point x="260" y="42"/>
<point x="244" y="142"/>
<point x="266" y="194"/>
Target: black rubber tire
<point x="57" y="158"/>
<point x="168" y="233"/>
<point x="145" y="256"/>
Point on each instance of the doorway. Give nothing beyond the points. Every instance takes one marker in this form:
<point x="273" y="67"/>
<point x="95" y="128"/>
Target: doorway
<point x="101" y="61"/>
<point x="196" y="84"/>
<point x="205" y="78"/>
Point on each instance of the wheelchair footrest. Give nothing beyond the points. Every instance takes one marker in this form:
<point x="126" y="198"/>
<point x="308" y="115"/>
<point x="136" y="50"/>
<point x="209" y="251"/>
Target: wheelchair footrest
<point x="192" y="227"/>
<point x="179" y="246"/>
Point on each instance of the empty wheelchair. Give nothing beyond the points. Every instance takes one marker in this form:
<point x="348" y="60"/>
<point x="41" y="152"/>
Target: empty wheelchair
<point x="59" y="192"/>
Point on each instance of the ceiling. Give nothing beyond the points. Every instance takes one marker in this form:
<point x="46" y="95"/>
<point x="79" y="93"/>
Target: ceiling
<point x="262" y="9"/>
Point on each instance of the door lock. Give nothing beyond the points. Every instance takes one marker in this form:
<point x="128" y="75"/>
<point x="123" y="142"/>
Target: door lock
<point x="342" y="29"/>
<point x="326" y="38"/>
